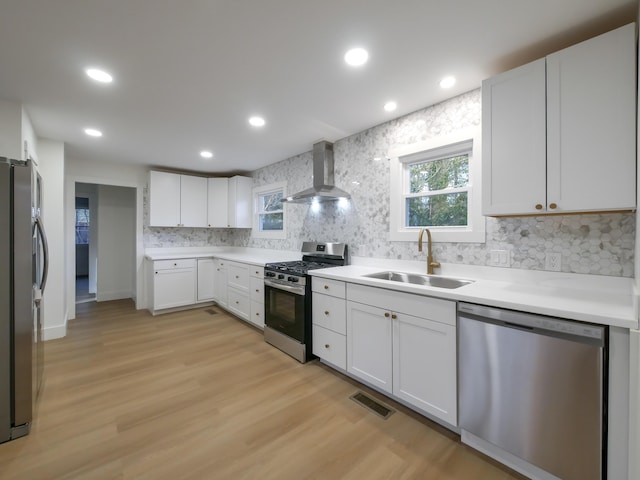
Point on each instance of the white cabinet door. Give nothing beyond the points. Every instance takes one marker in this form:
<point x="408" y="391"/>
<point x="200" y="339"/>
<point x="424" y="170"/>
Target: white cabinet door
<point x="164" y="199"/>
<point x="369" y="345"/>
<point x="206" y="279"/>
<point x="220" y="285"/>
<point x="581" y="101"/>
<point x="174" y="288"/>
<point x="329" y="312"/>
<point x="238" y="303"/>
<point x="514" y="141"/>
<point x="330" y="346"/>
<point x="218" y="202"/>
<point x="238" y="276"/>
<point x="193" y="201"/>
<point x="256" y="315"/>
<point x="591" y="124"/>
<point x="240" y="208"/>
<point x="424" y="365"/>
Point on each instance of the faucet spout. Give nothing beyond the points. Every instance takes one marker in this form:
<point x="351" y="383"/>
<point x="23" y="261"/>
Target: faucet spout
<point x="431" y="264"/>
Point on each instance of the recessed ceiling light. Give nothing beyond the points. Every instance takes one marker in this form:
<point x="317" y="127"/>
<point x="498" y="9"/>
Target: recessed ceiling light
<point x="447" y="82"/>
<point x="206" y="154"/>
<point x="355" y="182"/>
<point x="257" y="121"/>
<point x="390" y="106"/>
<point x="92" y="132"/>
<point x="356" y="57"/>
<point x="99" y="75"/>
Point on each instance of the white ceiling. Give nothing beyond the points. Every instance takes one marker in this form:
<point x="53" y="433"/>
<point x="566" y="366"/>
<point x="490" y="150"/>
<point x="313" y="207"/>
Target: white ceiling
<point x="189" y="73"/>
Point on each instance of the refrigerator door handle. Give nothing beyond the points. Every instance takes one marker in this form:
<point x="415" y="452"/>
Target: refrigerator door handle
<point x="45" y="250"/>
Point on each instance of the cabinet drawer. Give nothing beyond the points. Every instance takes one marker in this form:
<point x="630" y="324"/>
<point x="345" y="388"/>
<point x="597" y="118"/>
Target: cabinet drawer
<point x="334" y="288"/>
<point x="330" y="346"/>
<point x="238" y="303"/>
<point x="257" y="289"/>
<point x="257" y="314"/>
<point x="256" y="271"/>
<point x="330" y="312"/>
<point x="178" y="263"/>
<point x="238" y="276"/>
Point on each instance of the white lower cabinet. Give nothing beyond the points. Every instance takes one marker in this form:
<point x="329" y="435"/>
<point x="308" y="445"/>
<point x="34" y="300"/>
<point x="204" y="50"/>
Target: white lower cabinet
<point x="404" y="345"/>
<point x="174" y="283"/>
<point x="238" y="303"/>
<point x="329" y="321"/>
<point x="257" y="296"/>
<point x="206" y="279"/>
<point x="369" y="344"/>
<point x="329" y="346"/>
<point x="220" y="282"/>
<point x="424" y="365"/>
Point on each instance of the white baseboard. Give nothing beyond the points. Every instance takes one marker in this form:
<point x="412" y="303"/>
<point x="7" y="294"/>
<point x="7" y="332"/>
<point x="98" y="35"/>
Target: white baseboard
<point x="51" y="333"/>
<point x="108" y="296"/>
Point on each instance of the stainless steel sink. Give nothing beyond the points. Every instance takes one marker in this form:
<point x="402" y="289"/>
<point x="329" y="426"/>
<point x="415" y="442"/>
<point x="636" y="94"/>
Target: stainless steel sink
<point x="417" y="279"/>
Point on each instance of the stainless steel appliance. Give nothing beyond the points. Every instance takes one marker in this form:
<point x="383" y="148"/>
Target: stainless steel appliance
<point x="534" y="386"/>
<point x="23" y="274"/>
<point x="287" y="297"/>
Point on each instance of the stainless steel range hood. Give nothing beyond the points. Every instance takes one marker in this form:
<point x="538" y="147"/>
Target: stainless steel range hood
<point x="323" y="189"/>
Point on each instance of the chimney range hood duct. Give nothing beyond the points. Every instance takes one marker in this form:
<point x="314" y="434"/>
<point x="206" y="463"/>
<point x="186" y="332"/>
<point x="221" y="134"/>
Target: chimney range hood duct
<point x="323" y="189"/>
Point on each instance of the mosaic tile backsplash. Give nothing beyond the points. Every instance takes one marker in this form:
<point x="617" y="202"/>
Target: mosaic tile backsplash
<point x="599" y="244"/>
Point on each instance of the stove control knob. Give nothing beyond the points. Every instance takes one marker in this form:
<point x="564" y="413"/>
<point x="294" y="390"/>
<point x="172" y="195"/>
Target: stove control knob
<point x="280" y="276"/>
<point x="293" y="279"/>
<point x="269" y="274"/>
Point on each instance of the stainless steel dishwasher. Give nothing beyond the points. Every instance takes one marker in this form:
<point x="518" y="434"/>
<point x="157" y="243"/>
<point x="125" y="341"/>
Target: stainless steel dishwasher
<point x="535" y="387"/>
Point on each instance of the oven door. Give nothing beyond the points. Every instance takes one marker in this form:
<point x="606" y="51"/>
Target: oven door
<point x="284" y="307"/>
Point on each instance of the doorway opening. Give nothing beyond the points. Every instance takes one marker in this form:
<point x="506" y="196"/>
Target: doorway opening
<point x="84" y="292"/>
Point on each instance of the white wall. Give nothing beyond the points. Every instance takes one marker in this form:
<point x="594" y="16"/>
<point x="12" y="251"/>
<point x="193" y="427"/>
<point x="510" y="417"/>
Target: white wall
<point x="101" y="173"/>
<point x="51" y="168"/>
<point x="116" y="242"/>
<point x="10" y="130"/>
<point x="29" y="141"/>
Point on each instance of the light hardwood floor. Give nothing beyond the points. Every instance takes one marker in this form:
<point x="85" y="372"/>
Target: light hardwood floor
<point x="192" y="395"/>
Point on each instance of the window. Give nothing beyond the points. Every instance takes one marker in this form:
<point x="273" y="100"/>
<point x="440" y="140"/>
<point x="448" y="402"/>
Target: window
<point x="435" y="184"/>
<point x="82" y="221"/>
<point x="269" y="215"/>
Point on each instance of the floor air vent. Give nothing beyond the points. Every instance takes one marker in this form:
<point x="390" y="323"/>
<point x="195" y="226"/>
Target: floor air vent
<point x="211" y="311"/>
<point x="372" y="405"/>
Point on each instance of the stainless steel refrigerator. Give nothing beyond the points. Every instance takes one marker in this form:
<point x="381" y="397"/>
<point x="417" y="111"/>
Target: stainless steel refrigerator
<point x="23" y="274"/>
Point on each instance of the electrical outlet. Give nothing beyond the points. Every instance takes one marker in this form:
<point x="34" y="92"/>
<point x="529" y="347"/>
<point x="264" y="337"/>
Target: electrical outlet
<point x="553" y="261"/>
<point x="500" y="258"/>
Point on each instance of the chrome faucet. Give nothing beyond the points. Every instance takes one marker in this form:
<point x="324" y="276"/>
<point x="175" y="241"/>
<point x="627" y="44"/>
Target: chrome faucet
<point x="430" y="263"/>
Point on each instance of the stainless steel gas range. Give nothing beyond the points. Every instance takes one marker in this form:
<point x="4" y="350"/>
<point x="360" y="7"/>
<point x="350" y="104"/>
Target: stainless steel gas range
<point x="287" y="292"/>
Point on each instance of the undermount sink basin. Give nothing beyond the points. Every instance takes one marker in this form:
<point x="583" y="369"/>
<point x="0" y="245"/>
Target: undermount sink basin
<point x="417" y="279"/>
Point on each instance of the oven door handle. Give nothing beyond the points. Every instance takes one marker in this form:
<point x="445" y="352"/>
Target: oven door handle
<point x="286" y="288"/>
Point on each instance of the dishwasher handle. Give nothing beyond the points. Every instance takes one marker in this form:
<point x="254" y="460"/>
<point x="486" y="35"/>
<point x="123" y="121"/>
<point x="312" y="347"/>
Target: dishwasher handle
<point x="533" y="322"/>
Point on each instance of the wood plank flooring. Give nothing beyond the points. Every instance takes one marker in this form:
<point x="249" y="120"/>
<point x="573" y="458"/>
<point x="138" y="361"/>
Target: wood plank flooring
<point x="191" y="395"/>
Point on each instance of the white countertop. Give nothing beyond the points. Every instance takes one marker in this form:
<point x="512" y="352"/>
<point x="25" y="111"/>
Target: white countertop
<point x="589" y="298"/>
<point x="253" y="256"/>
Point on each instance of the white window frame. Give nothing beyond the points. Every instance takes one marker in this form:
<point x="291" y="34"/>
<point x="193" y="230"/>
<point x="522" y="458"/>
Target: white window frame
<point x="401" y="157"/>
<point x="257" y="193"/>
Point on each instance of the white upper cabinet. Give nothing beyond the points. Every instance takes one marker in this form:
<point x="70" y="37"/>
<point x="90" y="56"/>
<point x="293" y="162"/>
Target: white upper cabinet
<point x="217" y="203"/>
<point x="240" y="202"/>
<point x="189" y="201"/>
<point x="230" y="202"/>
<point x="514" y="139"/>
<point x="164" y="199"/>
<point x="559" y="133"/>
<point x="177" y="200"/>
<point x="193" y="201"/>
